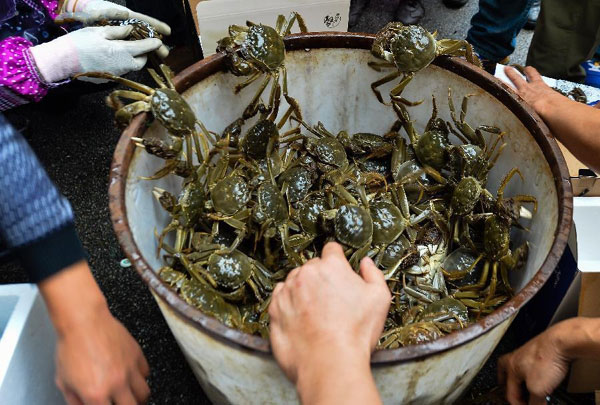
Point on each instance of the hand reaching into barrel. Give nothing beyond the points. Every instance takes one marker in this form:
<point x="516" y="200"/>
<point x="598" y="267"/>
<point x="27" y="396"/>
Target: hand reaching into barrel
<point x="97" y="360"/>
<point x="325" y="322"/>
<point x="573" y="124"/>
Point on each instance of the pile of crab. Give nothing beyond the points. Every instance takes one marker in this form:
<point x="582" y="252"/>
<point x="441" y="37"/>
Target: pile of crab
<point x="258" y="201"/>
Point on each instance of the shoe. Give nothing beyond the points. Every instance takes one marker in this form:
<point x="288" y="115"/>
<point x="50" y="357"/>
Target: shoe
<point x="356" y="9"/>
<point x="592" y="72"/>
<point x="455" y="3"/>
<point x="532" y="17"/>
<point x="410" y="12"/>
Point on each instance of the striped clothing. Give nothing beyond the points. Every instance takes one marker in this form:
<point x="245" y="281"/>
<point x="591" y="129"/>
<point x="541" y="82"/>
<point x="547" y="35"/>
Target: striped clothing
<point x="35" y="219"/>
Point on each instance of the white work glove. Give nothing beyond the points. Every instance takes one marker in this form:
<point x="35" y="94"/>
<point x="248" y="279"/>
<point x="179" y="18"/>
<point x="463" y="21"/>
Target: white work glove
<point x="92" y="49"/>
<point x="90" y="11"/>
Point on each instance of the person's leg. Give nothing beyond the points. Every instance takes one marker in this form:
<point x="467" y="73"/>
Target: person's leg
<point x="356" y="9"/>
<point x="410" y="12"/>
<point x="495" y="26"/>
<point x="567" y="33"/>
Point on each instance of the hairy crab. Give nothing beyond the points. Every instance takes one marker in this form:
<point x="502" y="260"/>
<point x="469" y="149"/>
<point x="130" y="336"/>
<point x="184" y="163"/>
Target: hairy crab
<point x="168" y="107"/>
<point x="261" y="52"/>
<point x="408" y="49"/>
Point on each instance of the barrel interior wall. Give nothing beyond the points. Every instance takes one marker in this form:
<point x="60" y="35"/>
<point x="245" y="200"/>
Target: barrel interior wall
<point x="333" y="86"/>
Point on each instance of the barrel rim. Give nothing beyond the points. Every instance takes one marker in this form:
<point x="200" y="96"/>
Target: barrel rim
<point x="257" y="345"/>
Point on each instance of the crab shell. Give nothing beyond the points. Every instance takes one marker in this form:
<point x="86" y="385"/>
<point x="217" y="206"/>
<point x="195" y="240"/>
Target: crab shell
<point x="264" y="47"/>
<point x="353" y="226"/>
<point x="173" y="112"/>
<point x="201" y="297"/>
<point x="230" y="270"/>
<point x="271" y="204"/>
<point x="465" y="196"/>
<point x="257" y="138"/>
<point x="413" y="48"/>
<point x="230" y="195"/>
<point x="431" y="149"/>
<point x="310" y="209"/>
<point x="496" y="237"/>
<point x="387" y="222"/>
<point x="328" y="151"/>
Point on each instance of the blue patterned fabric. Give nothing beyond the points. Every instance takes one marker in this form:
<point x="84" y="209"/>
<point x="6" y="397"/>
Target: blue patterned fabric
<point x="35" y="219"/>
<point x="30" y="205"/>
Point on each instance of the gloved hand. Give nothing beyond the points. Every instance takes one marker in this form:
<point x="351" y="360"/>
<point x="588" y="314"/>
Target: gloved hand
<point x="92" y="49"/>
<point x="90" y="11"/>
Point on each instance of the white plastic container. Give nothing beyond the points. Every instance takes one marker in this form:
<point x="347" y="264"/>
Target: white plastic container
<point x="27" y="344"/>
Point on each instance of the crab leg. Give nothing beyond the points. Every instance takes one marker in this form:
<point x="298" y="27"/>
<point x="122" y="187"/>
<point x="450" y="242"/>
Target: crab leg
<point x="385" y="79"/>
<point x="281" y="21"/>
<point x="454" y="47"/>
<point x="379" y="65"/>
<point x="527" y="199"/>
<point x="168" y="73"/>
<point x="274" y="98"/>
<point x="507" y="179"/>
<point x="247" y="82"/>
<point x="204" y="140"/>
<point x="157" y="78"/>
<point x="126" y="114"/>
<point x="128" y="94"/>
<point x="170" y="165"/>
<point x="291" y="101"/>
<point x="126" y="82"/>
<point x="294" y="16"/>
<point x="251" y="109"/>
<point x="396" y="91"/>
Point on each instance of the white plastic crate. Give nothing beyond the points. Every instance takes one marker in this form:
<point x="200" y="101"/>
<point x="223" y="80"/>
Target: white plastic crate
<point x="27" y="344"/>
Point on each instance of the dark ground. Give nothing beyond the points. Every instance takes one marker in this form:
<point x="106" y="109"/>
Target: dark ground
<point x="74" y="138"/>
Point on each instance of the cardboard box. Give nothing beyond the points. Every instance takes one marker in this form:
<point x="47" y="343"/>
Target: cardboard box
<point x="584" y="181"/>
<point x="585" y="373"/>
<point x="213" y="17"/>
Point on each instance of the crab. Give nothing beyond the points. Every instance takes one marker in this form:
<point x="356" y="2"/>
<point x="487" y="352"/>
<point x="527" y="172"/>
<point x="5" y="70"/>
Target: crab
<point x="166" y="105"/>
<point x="261" y="52"/>
<point x="499" y="216"/>
<point x="408" y="49"/>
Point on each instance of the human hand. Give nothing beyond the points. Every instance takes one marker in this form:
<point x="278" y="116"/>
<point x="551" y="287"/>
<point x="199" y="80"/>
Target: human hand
<point x="98" y="362"/>
<point x="89" y="12"/>
<point x="325" y="313"/>
<point x="94" y="10"/>
<point x="92" y="49"/>
<point x="541" y="364"/>
<point x="534" y="91"/>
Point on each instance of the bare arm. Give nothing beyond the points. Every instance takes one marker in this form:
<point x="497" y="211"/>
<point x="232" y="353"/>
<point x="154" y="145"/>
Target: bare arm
<point x="544" y="361"/>
<point x="325" y="322"/>
<point x="97" y="361"/>
<point x="574" y="124"/>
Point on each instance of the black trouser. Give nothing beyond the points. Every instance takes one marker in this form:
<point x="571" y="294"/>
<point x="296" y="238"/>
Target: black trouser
<point x="567" y="33"/>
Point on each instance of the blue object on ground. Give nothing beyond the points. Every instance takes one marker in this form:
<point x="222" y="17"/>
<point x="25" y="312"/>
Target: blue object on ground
<point x="592" y="72"/>
<point x="494" y="28"/>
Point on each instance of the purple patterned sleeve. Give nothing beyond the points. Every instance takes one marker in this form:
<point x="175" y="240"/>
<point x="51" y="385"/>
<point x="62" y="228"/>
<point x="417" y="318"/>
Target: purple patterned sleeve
<point x="51" y="6"/>
<point x="20" y="82"/>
